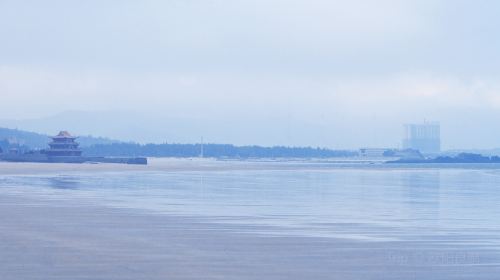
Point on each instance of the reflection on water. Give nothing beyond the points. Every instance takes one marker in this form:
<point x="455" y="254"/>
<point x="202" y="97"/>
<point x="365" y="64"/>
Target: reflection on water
<point x="423" y="193"/>
<point x="64" y="182"/>
<point x="367" y="203"/>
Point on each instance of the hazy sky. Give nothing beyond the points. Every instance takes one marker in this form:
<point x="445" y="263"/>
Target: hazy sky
<point x="340" y="74"/>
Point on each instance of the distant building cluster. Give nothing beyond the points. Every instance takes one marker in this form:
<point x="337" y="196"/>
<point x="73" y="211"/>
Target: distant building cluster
<point x="418" y="140"/>
<point x="425" y="137"/>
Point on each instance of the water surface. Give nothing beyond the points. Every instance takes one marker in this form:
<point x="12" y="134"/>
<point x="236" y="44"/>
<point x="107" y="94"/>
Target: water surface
<point x="445" y="204"/>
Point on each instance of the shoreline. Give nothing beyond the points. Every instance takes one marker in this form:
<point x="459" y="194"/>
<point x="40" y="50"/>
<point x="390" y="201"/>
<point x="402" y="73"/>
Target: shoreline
<point x="209" y="164"/>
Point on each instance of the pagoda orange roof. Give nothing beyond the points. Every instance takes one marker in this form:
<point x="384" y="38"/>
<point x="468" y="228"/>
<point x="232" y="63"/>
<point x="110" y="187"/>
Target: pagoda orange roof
<point x="63" y="134"/>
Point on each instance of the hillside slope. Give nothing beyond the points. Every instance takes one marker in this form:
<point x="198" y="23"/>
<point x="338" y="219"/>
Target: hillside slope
<point x="40" y="141"/>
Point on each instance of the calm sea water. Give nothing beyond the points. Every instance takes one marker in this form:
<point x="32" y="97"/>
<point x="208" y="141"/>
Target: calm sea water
<point x="460" y="204"/>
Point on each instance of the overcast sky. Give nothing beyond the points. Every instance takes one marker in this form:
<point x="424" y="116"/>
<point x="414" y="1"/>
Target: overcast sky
<point x="339" y="74"/>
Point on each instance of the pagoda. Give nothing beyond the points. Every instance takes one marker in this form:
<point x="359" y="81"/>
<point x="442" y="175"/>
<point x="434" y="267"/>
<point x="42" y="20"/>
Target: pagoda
<point x="63" y="145"/>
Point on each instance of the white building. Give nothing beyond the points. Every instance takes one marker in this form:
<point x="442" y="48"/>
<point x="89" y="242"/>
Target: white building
<point x="373" y="152"/>
<point x="424" y="137"/>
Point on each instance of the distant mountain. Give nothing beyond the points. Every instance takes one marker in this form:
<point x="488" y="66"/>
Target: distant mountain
<point x="35" y="140"/>
<point x="188" y="127"/>
<point x="98" y="146"/>
<point x="126" y="126"/>
<point x="31" y="139"/>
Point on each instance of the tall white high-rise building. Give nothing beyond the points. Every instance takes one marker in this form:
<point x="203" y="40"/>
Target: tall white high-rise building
<point x="424" y="137"/>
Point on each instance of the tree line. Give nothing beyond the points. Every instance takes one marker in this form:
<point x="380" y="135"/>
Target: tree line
<point x="211" y="150"/>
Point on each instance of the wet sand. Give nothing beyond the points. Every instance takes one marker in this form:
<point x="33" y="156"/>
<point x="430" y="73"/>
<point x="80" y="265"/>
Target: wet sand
<point x="163" y="165"/>
<point x="44" y="239"/>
